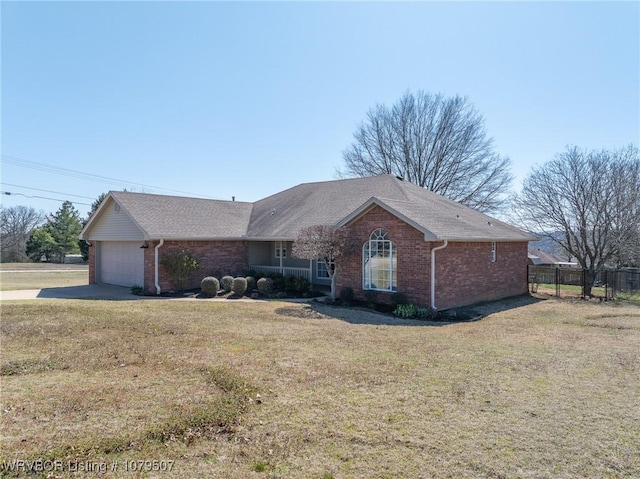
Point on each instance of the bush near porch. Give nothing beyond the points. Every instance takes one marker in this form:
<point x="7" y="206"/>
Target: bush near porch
<point x="280" y="286"/>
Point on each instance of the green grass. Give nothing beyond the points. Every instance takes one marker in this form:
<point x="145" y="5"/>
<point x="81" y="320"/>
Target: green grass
<point x="630" y="297"/>
<point x="252" y="390"/>
<point x="11" y="281"/>
<point x="41" y="266"/>
<point x="16" y="276"/>
<point x="569" y="290"/>
<point x="574" y="291"/>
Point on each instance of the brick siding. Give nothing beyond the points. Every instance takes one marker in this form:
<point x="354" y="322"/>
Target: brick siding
<point x="464" y="272"/>
<point x="215" y="258"/>
<point x="413" y="260"/>
<point x="92" y="262"/>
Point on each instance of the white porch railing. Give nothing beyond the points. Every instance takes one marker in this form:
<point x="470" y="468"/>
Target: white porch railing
<point x="285" y="270"/>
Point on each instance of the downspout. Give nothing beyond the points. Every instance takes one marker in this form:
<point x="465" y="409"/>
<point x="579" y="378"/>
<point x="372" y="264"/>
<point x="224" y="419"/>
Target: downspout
<point x="433" y="273"/>
<point x="155" y="252"/>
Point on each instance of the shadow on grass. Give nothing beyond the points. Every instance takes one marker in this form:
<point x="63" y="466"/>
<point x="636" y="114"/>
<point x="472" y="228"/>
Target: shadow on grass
<point x="491" y="307"/>
<point x="349" y="315"/>
<point x="88" y="291"/>
<point x="355" y="315"/>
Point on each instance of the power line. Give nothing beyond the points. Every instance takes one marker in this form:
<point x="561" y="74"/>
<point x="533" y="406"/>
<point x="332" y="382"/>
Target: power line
<point x="47" y="191"/>
<point x="13" y="160"/>
<point x="9" y="193"/>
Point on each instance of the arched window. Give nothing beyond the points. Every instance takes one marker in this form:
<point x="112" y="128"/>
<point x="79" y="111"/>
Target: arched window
<point x="379" y="263"/>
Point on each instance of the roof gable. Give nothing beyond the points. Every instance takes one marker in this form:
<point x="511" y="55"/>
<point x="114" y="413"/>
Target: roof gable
<point x="114" y="223"/>
<point x="371" y="203"/>
<point x="175" y="217"/>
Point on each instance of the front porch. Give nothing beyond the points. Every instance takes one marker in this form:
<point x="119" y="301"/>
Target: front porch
<point x="283" y="270"/>
<point x="275" y="257"/>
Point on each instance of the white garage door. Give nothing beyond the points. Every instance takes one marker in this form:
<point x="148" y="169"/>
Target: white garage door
<point x="121" y="263"/>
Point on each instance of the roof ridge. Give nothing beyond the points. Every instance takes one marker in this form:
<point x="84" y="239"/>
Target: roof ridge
<point x="317" y="184"/>
<point x="355" y="178"/>
<point x="200" y="198"/>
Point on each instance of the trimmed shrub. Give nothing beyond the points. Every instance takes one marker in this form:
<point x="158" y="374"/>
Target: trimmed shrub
<point x="209" y="287"/>
<point x="411" y="311"/>
<point x="399" y="298"/>
<point x="289" y="283"/>
<point x="226" y="283"/>
<point x="301" y="285"/>
<point x="278" y="281"/>
<point x="251" y="283"/>
<point x="239" y="286"/>
<point x="137" y="290"/>
<point x="265" y="285"/>
<point x="253" y="273"/>
<point x="346" y="295"/>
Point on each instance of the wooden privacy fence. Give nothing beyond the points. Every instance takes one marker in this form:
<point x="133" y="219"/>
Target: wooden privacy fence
<point x="569" y="282"/>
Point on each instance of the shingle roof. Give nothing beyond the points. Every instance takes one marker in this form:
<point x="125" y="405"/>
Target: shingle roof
<point x="337" y="202"/>
<point x="176" y="217"/>
<point x="282" y="215"/>
<point x="324" y="203"/>
<point x="539" y="257"/>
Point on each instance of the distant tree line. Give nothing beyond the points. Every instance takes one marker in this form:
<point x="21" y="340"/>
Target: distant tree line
<point x="30" y="235"/>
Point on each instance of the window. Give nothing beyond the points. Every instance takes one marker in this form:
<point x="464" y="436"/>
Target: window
<point x="379" y="263"/>
<point x="492" y="258"/>
<point x="321" y="268"/>
<point x="281" y="252"/>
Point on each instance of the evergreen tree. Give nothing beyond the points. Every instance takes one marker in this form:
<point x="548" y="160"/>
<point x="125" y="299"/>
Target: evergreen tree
<point x="41" y="244"/>
<point x="65" y="226"/>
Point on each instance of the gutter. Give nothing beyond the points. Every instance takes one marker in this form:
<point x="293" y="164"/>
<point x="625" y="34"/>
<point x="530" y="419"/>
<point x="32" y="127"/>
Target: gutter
<point x="155" y="252"/>
<point x="433" y="273"/>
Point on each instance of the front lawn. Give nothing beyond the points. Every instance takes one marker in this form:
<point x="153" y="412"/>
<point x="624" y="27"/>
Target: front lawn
<point x="13" y="280"/>
<point x="240" y="390"/>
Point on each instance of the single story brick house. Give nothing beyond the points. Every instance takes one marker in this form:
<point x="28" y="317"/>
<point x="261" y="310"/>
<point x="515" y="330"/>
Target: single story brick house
<point x="437" y="252"/>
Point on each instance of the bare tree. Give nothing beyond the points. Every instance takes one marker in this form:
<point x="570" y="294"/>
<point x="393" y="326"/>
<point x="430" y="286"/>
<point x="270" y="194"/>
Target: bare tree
<point x="328" y="243"/>
<point x="435" y="142"/>
<point x="592" y="199"/>
<point x="16" y="225"/>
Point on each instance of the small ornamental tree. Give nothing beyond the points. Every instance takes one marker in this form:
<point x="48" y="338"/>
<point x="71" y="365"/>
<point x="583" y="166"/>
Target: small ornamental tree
<point x="180" y="265"/>
<point x="327" y="243"/>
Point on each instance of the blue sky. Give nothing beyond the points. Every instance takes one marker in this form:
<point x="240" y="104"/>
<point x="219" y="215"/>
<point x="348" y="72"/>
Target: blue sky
<point x="246" y="99"/>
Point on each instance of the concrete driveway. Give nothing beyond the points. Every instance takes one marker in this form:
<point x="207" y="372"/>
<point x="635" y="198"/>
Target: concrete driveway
<point x="89" y="291"/>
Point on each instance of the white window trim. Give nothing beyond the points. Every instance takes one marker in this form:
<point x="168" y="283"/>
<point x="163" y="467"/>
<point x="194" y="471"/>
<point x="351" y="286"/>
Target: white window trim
<point x="320" y="262"/>
<point x="365" y="264"/>
<point x="279" y="250"/>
